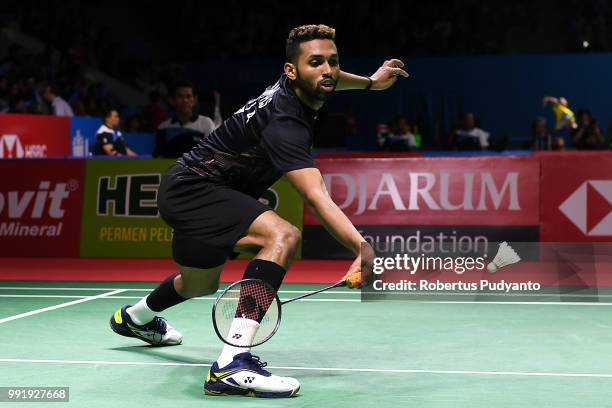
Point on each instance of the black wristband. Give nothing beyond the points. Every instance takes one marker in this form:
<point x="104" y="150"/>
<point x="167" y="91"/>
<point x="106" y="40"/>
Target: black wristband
<point x="369" y="85"/>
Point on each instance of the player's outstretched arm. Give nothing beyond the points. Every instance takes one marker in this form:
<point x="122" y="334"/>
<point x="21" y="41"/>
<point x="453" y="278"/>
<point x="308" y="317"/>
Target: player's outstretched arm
<point x="383" y="78"/>
<point x="309" y="183"/>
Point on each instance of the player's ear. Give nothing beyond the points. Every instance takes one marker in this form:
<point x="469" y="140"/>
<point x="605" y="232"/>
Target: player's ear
<point x="290" y="71"/>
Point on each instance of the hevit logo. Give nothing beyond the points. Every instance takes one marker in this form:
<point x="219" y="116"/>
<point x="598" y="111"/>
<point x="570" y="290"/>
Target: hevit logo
<point x="12" y="148"/>
<point x="129" y="195"/>
<point x="24" y="207"/>
<point x="590" y="208"/>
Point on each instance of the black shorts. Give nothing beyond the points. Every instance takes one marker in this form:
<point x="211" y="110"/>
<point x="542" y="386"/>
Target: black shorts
<point x="207" y="219"/>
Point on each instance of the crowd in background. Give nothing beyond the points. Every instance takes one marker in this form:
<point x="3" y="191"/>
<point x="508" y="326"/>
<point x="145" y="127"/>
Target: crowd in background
<point x="54" y="81"/>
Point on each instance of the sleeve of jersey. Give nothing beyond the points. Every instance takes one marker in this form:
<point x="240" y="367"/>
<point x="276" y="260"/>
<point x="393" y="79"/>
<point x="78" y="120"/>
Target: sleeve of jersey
<point x="288" y="143"/>
<point x="104" y="138"/>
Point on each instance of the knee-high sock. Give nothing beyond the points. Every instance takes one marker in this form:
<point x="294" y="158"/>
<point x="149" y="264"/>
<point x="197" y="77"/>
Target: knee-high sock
<point x="248" y="315"/>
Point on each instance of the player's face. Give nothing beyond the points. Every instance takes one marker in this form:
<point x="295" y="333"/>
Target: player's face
<point x="184" y="100"/>
<point x="318" y="68"/>
<point x="113" y="119"/>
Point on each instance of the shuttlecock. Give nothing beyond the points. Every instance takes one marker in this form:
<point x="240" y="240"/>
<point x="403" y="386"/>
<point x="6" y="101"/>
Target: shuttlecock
<point x="505" y="256"/>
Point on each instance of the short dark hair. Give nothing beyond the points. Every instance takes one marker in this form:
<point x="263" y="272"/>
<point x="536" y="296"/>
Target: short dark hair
<point x="106" y="112"/>
<point x="52" y="88"/>
<point x="305" y="33"/>
<point x="183" y="83"/>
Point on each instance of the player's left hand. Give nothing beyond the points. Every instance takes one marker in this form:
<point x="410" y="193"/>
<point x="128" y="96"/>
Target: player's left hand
<point x="387" y="74"/>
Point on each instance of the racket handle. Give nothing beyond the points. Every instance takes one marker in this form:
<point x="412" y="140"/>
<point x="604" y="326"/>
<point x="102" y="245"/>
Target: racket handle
<point x="353" y="280"/>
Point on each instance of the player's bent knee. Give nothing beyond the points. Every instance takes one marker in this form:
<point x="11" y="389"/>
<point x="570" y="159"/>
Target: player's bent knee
<point x="288" y="236"/>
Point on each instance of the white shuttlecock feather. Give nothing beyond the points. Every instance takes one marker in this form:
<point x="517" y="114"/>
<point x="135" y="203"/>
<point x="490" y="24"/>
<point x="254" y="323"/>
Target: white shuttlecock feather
<point x="505" y="256"/>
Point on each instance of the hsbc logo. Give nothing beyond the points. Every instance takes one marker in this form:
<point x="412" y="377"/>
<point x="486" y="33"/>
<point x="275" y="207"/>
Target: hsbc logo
<point x="590" y="208"/>
<point x="12" y="148"/>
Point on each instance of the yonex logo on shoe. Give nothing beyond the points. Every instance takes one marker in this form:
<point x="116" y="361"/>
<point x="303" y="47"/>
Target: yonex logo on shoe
<point x="249" y="380"/>
<point x="236" y="336"/>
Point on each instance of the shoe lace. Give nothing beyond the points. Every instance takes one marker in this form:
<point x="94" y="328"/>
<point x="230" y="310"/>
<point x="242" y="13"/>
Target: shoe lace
<point x="256" y="361"/>
<point x="158" y="324"/>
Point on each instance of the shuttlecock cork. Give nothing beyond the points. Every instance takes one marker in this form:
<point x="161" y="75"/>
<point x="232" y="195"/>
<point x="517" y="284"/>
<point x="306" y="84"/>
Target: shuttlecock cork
<point x="505" y="256"/>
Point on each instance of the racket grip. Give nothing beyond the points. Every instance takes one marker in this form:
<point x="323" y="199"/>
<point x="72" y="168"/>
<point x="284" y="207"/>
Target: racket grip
<point x="353" y="280"/>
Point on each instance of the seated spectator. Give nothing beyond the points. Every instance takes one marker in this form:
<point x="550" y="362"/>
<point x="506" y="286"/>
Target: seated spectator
<point x="400" y="138"/>
<point x="587" y="135"/>
<point x="468" y="136"/>
<point x="542" y="138"/>
<point x="109" y="140"/>
<point x="59" y="106"/>
<point x="183" y="131"/>
<point x="382" y="134"/>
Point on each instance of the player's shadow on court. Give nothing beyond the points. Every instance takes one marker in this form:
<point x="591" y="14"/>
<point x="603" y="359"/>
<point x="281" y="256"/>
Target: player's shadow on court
<point x="179" y="354"/>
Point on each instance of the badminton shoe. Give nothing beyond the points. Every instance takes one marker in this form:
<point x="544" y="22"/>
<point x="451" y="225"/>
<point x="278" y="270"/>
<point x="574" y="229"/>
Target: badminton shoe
<point x="246" y="376"/>
<point x="157" y="332"/>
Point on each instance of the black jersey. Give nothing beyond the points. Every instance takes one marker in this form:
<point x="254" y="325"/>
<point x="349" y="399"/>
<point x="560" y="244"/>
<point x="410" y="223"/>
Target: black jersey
<point x="267" y="137"/>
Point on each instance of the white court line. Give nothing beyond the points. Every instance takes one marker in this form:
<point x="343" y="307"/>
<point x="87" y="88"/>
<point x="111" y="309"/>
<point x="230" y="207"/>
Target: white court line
<point x="140" y="297"/>
<point x="356" y="300"/>
<point x="359" y="370"/>
<point x="47" y="309"/>
<point x="44" y="296"/>
<point x="337" y="292"/>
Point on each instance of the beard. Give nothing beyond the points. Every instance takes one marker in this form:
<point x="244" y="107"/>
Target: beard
<point x="314" y="92"/>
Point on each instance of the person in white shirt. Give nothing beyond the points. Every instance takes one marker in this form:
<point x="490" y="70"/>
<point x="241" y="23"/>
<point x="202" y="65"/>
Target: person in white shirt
<point x="183" y="131"/>
<point x="470" y="137"/>
<point x="58" y="105"/>
<point x="109" y="140"/>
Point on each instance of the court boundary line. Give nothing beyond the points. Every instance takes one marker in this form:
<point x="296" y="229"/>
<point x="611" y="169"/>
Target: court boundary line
<point x="337" y="292"/>
<point x="61" y="305"/>
<point x="140" y="297"/>
<point x="297" y="368"/>
<point x="343" y="292"/>
<point x="460" y="302"/>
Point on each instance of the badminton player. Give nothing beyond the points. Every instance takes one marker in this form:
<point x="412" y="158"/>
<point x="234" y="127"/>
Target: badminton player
<point x="209" y="197"/>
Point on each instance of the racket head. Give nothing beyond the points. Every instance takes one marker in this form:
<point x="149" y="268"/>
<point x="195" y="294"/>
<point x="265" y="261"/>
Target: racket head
<point x="250" y="296"/>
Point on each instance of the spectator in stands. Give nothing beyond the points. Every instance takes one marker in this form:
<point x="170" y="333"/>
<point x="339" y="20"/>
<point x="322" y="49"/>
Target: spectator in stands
<point x="109" y="140"/>
<point x="59" y="106"/>
<point x="155" y="113"/>
<point x="382" y="133"/>
<point x="468" y="136"/>
<point x="400" y="138"/>
<point x="565" y="120"/>
<point x="587" y="135"/>
<point x="542" y="138"/>
<point x="180" y="133"/>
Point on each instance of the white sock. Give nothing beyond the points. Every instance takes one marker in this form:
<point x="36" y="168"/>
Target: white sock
<point x="140" y="312"/>
<point x="246" y="329"/>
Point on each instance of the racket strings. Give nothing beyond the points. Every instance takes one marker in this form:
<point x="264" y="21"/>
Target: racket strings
<point x="247" y="313"/>
<point x="254" y="301"/>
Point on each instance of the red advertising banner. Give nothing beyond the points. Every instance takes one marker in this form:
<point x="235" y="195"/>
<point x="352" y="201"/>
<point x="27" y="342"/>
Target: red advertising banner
<point x="24" y="136"/>
<point x="576" y="196"/>
<point x="40" y="207"/>
<point x="491" y="191"/>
